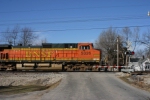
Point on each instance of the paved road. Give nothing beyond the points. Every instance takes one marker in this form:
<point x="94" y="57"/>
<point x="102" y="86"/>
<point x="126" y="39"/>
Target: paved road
<point x="87" y="86"/>
<point x="94" y="86"/>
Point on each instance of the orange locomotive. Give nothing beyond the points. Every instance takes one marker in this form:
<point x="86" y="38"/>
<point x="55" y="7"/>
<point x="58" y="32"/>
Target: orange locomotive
<point x="50" y="57"/>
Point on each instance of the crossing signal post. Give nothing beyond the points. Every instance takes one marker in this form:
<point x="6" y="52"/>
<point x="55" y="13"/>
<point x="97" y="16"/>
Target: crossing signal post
<point x="117" y="51"/>
<point x="128" y="55"/>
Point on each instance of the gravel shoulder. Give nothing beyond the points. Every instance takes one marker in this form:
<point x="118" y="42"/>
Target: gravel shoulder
<point x="23" y="82"/>
<point x="138" y="81"/>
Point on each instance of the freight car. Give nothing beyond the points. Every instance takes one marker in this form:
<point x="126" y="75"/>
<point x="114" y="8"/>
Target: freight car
<point x="50" y="57"/>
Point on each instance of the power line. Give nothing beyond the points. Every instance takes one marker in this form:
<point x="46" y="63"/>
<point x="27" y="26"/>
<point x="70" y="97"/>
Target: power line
<point x="90" y="28"/>
<point x="24" y="11"/>
<point x="104" y="17"/>
<point x="77" y="29"/>
<point x="73" y="21"/>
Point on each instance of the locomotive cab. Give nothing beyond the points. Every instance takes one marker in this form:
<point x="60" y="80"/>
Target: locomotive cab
<point x="87" y="53"/>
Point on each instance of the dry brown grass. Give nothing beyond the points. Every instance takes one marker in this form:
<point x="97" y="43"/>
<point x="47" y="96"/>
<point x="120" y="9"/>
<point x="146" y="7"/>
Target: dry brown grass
<point x="9" y="90"/>
<point x="137" y="84"/>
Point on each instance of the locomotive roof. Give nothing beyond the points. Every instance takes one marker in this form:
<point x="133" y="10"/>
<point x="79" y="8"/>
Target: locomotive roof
<point x="44" y="45"/>
<point x="51" y="45"/>
<point x="5" y="45"/>
<point x="59" y="45"/>
<point x="27" y="46"/>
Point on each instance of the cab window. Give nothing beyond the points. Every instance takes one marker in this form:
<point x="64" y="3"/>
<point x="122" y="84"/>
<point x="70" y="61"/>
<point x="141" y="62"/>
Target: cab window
<point x="85" y="47"/>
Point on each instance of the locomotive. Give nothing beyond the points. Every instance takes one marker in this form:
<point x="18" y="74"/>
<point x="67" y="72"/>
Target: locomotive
<point x="50" y="57"/>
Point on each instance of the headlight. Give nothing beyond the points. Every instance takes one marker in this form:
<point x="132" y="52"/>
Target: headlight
<point x="95" y="58"/>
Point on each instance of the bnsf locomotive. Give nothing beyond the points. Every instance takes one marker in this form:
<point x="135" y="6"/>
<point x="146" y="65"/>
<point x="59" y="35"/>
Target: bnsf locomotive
<point x="50" y="57"/>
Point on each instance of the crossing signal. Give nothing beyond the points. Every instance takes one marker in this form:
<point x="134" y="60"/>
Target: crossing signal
<point x="129" y="52"/>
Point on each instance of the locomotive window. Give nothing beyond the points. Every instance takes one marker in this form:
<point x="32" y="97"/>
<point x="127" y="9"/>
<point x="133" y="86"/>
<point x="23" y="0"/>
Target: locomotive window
<point x="85" y="47"/>
<point x="88" y="47"/>
<point x="6" y="55"/>
<point x="68" y="45"/>
<point x="1" y="56"/>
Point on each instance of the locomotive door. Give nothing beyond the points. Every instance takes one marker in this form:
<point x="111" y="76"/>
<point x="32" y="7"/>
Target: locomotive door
<point x="4" y="56"/>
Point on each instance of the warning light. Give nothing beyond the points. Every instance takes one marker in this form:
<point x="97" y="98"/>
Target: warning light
<point x="129" y="52"/>
<point x="132" y="53"/>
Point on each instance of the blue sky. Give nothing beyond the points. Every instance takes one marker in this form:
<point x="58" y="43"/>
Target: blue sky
<point x="64" y="21"/>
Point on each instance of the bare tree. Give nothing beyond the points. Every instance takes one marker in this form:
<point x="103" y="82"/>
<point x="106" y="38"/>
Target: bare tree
<point x="106" y="39"/>
<point x="140" y="53"/>
<point x="131" y="39"/>
<point x="14" y="34"/>
<point x="6" y="36"/>
<point x="147" y="52"/>
<point x="10" y="35"/>
<point x="146" y="38"/>
<point x="135" y="37"/>
<point x="146" y="41"/>
<point x="44" y="40"/>
<point x="27" y="36"/>
<point x="108" y="44"/>
<point x="127" y="34"/>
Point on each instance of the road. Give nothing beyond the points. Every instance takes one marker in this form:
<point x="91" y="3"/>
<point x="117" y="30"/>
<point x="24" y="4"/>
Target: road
<point x="89" y="86"/>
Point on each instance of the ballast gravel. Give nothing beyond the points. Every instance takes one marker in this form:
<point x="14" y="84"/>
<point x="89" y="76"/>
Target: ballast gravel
<point x="29" y="78"/>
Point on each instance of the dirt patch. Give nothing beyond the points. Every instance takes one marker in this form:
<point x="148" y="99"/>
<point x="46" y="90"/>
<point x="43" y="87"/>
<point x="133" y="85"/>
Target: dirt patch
<point x="126" y="79"/>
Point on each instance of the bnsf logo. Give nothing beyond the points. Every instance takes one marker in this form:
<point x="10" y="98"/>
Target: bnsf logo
<point x="38" y="54"/>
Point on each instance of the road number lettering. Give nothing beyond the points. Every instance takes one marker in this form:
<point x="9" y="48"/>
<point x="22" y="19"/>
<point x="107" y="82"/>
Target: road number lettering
<point x="85" y="53"/>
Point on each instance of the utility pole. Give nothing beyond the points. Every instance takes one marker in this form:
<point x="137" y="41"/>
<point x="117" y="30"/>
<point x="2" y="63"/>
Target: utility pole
<point x="148" y="13"/>
<point x="117" y="51"/>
